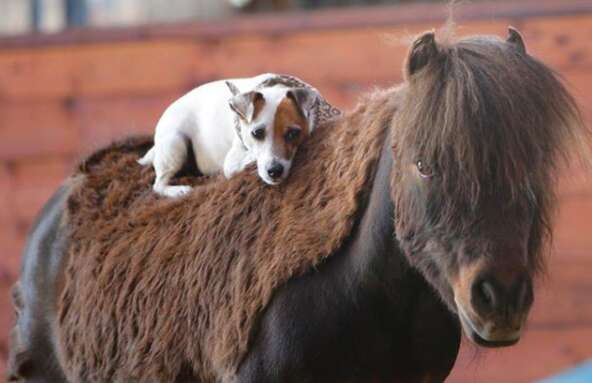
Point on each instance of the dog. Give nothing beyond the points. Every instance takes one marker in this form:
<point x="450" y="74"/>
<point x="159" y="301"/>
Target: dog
<point x="231" y="124"/>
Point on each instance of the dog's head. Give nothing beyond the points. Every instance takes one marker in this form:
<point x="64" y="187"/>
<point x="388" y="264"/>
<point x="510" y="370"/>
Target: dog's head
<point x="274" y="122"/>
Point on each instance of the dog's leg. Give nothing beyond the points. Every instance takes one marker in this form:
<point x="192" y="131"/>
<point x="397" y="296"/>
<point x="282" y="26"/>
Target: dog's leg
<point x="148" y="158"/>
<point x="236" y="159"/>
<point x="169" y="157"/>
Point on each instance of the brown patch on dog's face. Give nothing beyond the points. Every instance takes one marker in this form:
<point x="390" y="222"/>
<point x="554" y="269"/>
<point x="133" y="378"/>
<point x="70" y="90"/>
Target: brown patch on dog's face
<point x="290" y="128"/>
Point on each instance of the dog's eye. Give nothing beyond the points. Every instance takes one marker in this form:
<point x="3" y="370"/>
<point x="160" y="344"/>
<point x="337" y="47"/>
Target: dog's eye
<point x="292" y="134"/>
<point x="258" y="133"/>
<point x="425" y="171"/>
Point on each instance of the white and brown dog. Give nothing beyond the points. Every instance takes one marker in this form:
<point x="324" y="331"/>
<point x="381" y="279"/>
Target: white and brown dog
<point x="268" y="118"/>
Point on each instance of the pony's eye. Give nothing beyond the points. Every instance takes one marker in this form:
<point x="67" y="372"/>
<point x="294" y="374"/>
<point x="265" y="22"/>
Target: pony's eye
<point x="258" y="133"/>
<point x="424" y="170"/>
<point x="292" y="134"/>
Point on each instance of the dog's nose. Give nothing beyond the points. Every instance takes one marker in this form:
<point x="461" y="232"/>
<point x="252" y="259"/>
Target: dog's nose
<point x="275" y="171"/>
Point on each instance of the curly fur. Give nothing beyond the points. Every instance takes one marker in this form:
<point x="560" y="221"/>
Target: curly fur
<point x="157" y="289"/>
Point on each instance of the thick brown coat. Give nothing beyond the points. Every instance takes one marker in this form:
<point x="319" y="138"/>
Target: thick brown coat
<point x="167" y="287"/>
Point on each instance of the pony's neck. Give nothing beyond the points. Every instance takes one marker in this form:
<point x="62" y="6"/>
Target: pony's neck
<point x="376" y="255"/>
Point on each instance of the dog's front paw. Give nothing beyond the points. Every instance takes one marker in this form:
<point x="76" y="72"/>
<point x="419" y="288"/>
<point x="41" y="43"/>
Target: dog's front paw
<point x="175" y="191"/>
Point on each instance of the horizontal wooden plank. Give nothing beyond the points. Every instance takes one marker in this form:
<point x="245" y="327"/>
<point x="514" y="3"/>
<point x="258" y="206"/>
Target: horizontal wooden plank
<point x="562" y="298"/>
<point x="579" y="82"/>
<point x="127" y="68"/>
<point x="12" y="241"/>
<point x="562" y="43"/>
<point x="117" y="69"/>
<point x="34" y="182"/>
<point x="6" y="183"/>
<point x="573" y="227"/>
<point x="37" y="129"/>
<point x="328" y="56"/>
<point x="103" y="120"/>
<point x="70" y="72"/>
<point x="574" y="183"/>
<point x="335" y="56"/>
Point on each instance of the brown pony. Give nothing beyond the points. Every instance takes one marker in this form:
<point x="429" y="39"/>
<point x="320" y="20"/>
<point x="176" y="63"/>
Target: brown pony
<point x="451" y="234"/>
<point x="479" y="138"/>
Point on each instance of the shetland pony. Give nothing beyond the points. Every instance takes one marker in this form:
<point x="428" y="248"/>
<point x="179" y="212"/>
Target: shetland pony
<point x="452" y="234"/>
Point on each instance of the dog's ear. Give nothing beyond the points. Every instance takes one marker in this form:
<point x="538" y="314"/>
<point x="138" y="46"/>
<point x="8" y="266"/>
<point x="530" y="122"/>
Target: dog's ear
<point x="233" y="88"/>
<point x="423" y="51"/>
<point x="305" y="99"/>
<point x="247" y="104"/>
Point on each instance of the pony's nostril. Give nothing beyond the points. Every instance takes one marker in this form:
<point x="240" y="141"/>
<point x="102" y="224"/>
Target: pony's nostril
<point x="484" y="296"/>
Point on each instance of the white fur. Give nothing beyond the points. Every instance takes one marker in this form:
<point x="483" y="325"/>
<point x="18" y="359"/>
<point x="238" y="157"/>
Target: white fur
<point x="204" y="117"/>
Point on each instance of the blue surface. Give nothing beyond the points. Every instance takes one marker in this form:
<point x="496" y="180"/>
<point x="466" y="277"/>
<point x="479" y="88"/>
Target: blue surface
<point x="579" y="374"/>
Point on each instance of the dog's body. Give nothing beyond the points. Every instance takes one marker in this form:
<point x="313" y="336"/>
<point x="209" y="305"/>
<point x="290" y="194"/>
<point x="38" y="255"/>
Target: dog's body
<point x="231" y="124"/>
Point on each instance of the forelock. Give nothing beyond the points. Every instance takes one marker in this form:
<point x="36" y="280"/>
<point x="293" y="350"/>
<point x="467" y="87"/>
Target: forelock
<point x="489" y="116"/>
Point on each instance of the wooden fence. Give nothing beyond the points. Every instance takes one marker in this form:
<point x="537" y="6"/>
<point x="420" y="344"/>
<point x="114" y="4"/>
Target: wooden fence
<point x="62" y="96"/>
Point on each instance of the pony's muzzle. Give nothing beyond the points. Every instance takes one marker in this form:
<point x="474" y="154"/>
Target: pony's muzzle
<point x="489" y="296"/>
<point x="492" y="305"/>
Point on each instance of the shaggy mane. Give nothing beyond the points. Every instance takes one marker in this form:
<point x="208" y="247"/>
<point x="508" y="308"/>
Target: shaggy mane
<point x="490" y="121"/>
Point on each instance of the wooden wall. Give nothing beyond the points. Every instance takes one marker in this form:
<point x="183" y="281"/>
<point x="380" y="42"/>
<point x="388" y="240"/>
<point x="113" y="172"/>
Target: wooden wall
<point x="63" y="96"/>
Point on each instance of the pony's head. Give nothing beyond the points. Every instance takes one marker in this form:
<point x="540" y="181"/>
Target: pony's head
<point x="478" y="140"/>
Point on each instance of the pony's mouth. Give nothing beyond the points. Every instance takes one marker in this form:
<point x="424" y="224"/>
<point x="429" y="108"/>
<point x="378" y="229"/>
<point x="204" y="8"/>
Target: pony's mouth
<point x="479" y="338"/>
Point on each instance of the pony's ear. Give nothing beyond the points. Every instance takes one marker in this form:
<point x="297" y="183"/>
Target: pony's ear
<point x="245" y="104"/>
<point x="515" y="38"/>
<point x="422" y="52"/>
